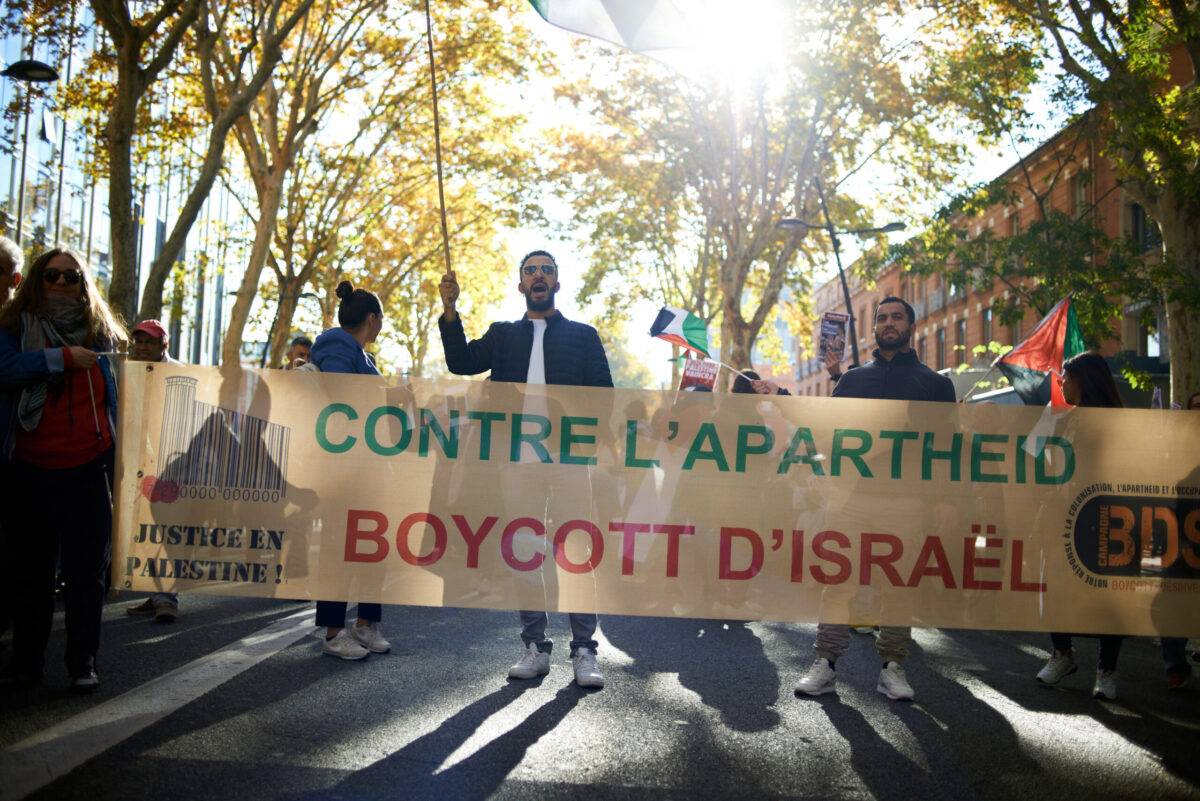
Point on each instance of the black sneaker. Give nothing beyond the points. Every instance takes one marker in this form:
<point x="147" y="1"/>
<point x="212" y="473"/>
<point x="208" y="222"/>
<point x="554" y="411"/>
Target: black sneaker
<point x="87" y="682"/>
<point x="146" y="607"/>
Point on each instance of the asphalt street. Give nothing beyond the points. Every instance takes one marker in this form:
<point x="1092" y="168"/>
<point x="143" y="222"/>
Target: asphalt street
<point x="235" y="701"/>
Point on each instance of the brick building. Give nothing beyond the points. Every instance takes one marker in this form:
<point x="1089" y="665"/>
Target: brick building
<point x="952" y="321"/>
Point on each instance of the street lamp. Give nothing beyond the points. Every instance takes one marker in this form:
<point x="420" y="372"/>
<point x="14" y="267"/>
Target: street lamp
<point x="27" y="71"/>
<point x="828" y="228"/>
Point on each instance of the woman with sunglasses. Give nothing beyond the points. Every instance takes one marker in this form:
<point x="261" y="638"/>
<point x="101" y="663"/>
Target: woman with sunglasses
<point x="60" y="437"/>
<point x="1087" y="381"/>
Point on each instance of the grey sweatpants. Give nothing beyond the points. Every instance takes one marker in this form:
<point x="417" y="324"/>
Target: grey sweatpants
<point x="891" y="643"/>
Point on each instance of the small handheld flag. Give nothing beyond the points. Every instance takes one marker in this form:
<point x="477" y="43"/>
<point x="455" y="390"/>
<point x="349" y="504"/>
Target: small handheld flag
<point x="681" y="328"/>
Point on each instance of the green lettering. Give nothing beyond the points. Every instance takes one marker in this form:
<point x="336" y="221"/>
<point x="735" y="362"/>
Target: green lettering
<point x="766" y="441"/>
<point x="323" y="421"/>
<point x="373" y="419"/>
<point x="979" y="456"/>
<point x="449" y="441"/>
<point x="534" y="439"/>
<point x="1040" y="476"/>
<point x="631" y="457"/>
<point x="953" y="456"/>
<point x="485" y="431"/>
<point x="707" y="432"/>
<point x="898" y="438"/>
<point x="810" y="457"/>
<point x="569" y="439"/>
<point x="1021" y="467"/>
<point x="853" y="454"/>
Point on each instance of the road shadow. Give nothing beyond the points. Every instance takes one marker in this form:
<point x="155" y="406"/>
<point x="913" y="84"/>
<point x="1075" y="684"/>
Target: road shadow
<point x="413" y="771"/>
<point x="706" y="654"/>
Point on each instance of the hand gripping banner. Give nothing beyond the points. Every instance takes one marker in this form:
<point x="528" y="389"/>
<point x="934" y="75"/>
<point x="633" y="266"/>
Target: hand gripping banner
<point x="494" y="495"/>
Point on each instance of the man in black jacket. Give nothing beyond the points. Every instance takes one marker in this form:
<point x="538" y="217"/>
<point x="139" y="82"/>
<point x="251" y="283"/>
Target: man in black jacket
<point x="895" y="374"/>
<point x="542" y="347"/>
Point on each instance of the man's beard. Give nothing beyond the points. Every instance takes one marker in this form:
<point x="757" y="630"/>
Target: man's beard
<point x="540" y="305"/>
<point x="895" y="341"/>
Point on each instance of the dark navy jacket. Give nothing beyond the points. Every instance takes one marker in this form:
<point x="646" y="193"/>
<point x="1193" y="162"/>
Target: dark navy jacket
<point x="902" y="378"/>
<point x="572" y="352"/>
<point x="335" y="351"/>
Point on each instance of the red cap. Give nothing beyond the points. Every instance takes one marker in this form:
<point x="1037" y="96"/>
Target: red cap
<point x="152" y="327"/>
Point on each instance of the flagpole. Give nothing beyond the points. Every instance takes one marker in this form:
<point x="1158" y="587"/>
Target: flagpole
<point x="437" y="136"/>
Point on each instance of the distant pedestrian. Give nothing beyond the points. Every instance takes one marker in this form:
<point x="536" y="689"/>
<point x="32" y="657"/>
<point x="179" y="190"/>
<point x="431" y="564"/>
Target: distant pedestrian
<point x="895" y="374"/>
<point x="150" y="344"/>
<point x="297" y="353"/>
<point x="11" y="261"/>
<point x="60" y="437"/>
<point x="1086" y="381"/>
<point x="342" y="350"/>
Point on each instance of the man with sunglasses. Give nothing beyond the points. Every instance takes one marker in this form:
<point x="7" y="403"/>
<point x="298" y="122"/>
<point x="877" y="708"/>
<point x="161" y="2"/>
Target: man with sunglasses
<point x="542" y="347"/>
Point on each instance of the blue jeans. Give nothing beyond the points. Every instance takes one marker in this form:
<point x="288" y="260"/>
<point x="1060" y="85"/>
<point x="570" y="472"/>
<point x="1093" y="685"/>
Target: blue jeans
<point x="533" y="631"/>
<point x="171" y="598"/>
<point x="332" y="614"/>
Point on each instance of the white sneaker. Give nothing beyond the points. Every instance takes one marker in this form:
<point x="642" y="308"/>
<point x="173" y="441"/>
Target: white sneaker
<point x="893" y="683"/>
<point x="343" y="646"/>
<point x="1106" y="685"/>
<point x="587" y="673"/>
<point x="368" y="637"/>
<point x="820" y="678"/>
<point x="1061" y="665"/>
<point x="533" y="663"/>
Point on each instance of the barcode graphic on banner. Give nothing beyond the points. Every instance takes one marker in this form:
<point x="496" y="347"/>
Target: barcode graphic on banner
<point x="212" y="452"/>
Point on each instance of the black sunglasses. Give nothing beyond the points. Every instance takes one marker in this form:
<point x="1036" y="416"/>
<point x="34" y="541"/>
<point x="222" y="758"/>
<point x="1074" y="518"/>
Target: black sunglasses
<point x="72" y="277"/>
<point x="547" y="269"/>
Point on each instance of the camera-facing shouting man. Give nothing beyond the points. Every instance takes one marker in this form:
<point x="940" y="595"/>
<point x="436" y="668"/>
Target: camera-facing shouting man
<point x="542" y="347"/>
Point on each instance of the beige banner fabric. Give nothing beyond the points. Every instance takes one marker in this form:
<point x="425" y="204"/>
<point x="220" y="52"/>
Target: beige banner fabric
<point x="494" y="495"/>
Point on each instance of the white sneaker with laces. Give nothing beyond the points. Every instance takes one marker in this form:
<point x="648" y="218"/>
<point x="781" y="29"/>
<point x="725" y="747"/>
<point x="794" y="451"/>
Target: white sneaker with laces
<point x="1106" y="685"/>
<point x="532" y="663"/>
<point x="1061" y="665"/>
<point x="369" y="637"/>
<point x="343" y="646"/>
<point x="820" y="678"/>
<point x="587" y="672"/>
<point x="893" y="683"/>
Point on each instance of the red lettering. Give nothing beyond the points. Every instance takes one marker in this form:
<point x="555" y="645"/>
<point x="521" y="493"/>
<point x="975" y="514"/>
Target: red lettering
<point x="595" y="553"/>
<point x="473" y="539"/>
<point x="886" y="561"/>
<point x="727" y="572"/>
<point x="629" y="532"/>
<point x="354" y="534"/>
<point x="439" y="538"/>
<point x="506" y="544"/>
<point x="821" y="552"/>
<point x="932" y="548"/>
<point x="971" y="561"/>
<point x="1018" y="560"/>
<point x="797" y="556"/>
<point x="673" y="532"/>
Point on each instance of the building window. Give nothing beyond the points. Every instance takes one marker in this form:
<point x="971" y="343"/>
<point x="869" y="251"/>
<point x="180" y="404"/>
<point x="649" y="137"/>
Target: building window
<point x="985" y="327"/>
<point x="1014" y="224"/>
<point x="1015" y="328"/>
<point x="941" y="348"/>
<point x="922" y="350"/>
<point x="1142" y="230"/>
<point x="960" y="341"/>
<point x="1079" y="196"/>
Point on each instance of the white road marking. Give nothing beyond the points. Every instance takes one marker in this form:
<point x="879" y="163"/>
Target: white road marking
<point x="38" y="760"/>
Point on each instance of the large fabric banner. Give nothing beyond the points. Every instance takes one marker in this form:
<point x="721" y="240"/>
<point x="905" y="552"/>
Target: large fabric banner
<point x="480" y="494"/>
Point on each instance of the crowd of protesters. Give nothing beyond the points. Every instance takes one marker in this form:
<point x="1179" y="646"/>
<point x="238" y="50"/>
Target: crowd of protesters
<point x="58" y="400"/>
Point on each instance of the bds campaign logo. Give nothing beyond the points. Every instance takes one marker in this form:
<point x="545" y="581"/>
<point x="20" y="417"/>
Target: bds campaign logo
<point x="1124" y="536"/>
<point x="207" y="452"/>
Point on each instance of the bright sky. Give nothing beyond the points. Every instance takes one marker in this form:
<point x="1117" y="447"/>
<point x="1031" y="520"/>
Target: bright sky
<point x="736" y="43"/>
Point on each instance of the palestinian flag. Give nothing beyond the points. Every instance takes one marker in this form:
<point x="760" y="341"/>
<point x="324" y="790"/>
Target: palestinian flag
<point x="644" y="26"/>
<point x="681" y="328"/>
<point x="1032" y="365"/>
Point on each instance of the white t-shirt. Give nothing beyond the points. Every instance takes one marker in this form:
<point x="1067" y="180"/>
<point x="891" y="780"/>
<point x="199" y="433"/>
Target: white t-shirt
<point x="537" y="359"/>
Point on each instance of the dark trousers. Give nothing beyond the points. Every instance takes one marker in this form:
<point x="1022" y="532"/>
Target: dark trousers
<point x="52" y="513"/>
<point x="1110" y="648"/>
<point x="6" y="557"/>
<point x="1174" y="651"/>
<point x="332" y="614"/>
